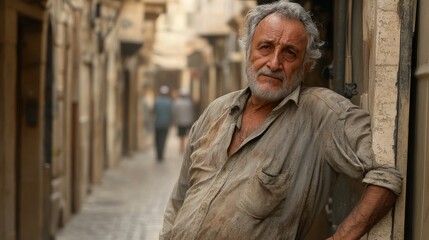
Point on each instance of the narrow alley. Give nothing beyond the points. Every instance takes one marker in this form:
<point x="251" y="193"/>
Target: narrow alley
<point x="129" y="203"/>
<point x="80" y="80"/>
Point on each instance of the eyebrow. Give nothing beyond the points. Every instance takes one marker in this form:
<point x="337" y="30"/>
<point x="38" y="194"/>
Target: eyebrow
<point x="286" y="46"/>
<point x="265" y="42"/>
<point x="291" y="46"/>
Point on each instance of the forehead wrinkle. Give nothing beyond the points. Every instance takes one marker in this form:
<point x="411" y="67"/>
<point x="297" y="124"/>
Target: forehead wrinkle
<point x="273" y="30"/>
<point x="283" y="44"/>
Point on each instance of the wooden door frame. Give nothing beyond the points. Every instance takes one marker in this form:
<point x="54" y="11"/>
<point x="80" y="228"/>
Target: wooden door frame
<point x="30" y="118"/>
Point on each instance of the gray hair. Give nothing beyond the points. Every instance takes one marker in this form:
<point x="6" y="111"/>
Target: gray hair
<point x="288" y="10"/>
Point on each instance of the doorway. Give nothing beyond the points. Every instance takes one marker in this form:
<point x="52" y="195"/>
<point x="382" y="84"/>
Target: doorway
<point x="29" y="131"/>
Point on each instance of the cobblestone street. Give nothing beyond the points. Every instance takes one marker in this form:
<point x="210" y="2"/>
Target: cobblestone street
<point x="130" y="201"/>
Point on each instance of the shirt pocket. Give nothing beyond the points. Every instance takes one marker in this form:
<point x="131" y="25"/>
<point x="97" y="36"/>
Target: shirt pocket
<point x="263" y="193"/>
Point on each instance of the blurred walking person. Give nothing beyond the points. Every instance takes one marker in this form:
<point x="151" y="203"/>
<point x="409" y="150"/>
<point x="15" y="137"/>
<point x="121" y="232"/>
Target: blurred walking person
<point x="183" y="116"/>
<point x="163" y="117"/>
<point x="148" y="123"/>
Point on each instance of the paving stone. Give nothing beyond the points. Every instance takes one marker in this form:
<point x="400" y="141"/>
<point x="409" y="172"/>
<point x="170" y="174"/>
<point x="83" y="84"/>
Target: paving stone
<point x="129" y="203"/>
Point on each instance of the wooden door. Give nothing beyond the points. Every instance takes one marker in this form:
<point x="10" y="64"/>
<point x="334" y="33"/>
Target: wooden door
<point x="420" y="160"/>
<point x="30" y="163"/>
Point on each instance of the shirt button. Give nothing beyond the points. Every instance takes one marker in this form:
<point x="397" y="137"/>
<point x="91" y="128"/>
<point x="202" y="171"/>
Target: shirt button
<point x="204" y="207"/>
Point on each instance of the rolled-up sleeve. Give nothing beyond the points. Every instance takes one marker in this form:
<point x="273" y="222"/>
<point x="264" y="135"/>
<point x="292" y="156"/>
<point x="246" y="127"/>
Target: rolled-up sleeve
<point x="348" y="150"/>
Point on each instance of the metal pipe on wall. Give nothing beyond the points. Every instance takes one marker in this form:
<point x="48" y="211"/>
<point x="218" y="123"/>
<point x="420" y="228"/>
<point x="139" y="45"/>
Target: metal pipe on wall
<point x="340" y="26"/>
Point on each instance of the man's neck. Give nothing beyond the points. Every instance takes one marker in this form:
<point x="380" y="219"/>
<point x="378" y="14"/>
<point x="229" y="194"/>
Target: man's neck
<point x="255" y="104"/>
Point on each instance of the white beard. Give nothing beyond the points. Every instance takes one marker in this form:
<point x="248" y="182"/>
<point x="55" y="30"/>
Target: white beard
<point x="268" y="94"/>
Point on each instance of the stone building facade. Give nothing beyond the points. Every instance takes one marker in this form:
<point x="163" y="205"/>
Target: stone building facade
<point x="65" y="112"/>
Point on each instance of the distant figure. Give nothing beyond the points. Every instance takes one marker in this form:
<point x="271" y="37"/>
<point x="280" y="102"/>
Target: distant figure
<point x="184" y="116"/>
<point x="147" y="116"/>
<point x="163" y="118"/>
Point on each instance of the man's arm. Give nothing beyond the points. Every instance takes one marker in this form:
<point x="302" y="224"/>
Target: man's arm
<point x="178" y="194"/>
<point x="375" y="203"/>
<point x="173" y="206"/>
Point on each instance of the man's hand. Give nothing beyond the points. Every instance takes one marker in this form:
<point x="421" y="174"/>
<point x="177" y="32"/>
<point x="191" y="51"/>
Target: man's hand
<point x="375" y="203"/>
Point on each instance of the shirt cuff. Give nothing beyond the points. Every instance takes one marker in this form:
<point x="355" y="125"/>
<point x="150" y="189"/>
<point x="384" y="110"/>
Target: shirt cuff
<point x="386" y="177"/>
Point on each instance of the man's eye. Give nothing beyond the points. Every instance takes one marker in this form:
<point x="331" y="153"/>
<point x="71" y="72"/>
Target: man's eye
<point x="264" y="47"/>
<point x="289" y="54"/>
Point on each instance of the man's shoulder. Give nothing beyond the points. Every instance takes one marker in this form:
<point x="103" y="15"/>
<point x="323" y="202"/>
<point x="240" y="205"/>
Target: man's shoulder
<point x="226" y="100"/>
<point x="220" y="105"/>
<point x="324" y="97"/>
<point x="214" y="110"/>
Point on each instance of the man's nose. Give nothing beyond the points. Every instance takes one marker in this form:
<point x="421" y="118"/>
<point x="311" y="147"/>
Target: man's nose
<point x="275" y="62"/>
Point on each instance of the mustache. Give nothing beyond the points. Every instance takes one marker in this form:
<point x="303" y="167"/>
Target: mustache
<point x="267" y="72"/>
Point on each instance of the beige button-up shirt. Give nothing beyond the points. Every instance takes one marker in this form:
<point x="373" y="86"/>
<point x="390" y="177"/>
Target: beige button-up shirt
<point x="279" y="179"/>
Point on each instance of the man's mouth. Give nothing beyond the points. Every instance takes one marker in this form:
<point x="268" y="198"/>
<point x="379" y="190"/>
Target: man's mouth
<point x="280" y="78"/>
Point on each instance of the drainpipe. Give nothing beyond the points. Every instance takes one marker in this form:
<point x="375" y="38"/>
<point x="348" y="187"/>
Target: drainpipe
<point x="340" y="24"/>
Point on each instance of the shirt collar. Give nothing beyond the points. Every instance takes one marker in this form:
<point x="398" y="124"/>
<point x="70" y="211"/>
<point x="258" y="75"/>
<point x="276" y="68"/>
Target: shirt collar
<point x="240" y="100"/>
<point x="292" y="97"/>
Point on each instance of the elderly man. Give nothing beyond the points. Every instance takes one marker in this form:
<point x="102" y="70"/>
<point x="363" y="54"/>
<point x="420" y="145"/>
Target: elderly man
<point x="261" y="161"/>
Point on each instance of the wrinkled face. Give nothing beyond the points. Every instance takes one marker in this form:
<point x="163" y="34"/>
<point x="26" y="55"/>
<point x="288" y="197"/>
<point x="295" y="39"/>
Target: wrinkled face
<point x="277" y="53"/>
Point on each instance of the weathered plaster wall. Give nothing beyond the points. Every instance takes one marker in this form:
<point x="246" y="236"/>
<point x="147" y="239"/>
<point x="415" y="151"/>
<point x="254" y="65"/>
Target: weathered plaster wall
<point x="382" y="37"/>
